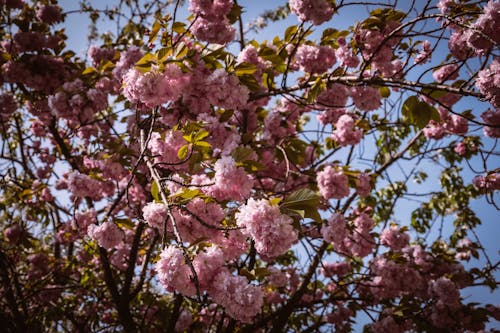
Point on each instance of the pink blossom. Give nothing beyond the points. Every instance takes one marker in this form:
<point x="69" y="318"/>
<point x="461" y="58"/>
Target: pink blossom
<point x="165" y="150"/>
<point x="485" y="29"/>
<point x="488" y="82"/>
<point x="153" y="88"/>
<point x="345" y="54"/>
<point x="173" y="272"/>
<point x="127" y="59"/>
<point x="394" y="238"/>
<point x="491" y="117"/>
<point x="332" y="184"/>
<point x="316" y="11"/>
<point x="336" y="268"/>
<point x="460" y="148"/>
<point x="208" y="264"/>
<point x="108" y="235"/>
<point x="8" y="105"/>
<point x="333" y="97"/>
<point x="363" y="186"/>
<point x="315" y="59"/>
<point x="424" y="54"/>
<point x="344" y="132"/>
<point x="100" y="55"/>
<point x="272" y="231"/>
<point x="213" y="31"/>
<point x="83" y="220"/>
<point x="458" y="45"/>
<point x="49" y="14"/>
<point x="366" y="98"/>
<point x="241" y="300"/>
<point x="13" y="233"/>
<point x="155" y="215"/>
<point x="208" y="7"/>
<point x="335" y="231"/>
<point x="82" y="186"/>
<point x="225" y="90"/>
<point x="446" y="72"/>
<point x="231" y="182"/>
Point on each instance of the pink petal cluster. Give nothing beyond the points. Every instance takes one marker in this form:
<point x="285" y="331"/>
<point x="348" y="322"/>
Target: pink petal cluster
<point x="394" y="238"/>
<point x="231" y="182"/>
<point x="211" y="23"/>
<point x="127" y="59"/>
<point x="108" y="235"/>
<point x="425" y="53"/>
<point x="49" y="14"/>
<point x="316" y="11"/>
<point x="315" y="59"/>
<point x="366" y="98"/>
<point x="155" y="215"/>
<point x="446" y="72"/>
<point x="173" y="272"/>
<point x="329" y="269"/>
<point x="272" y="231"/>
<point x="165" y="150"/>
<point x="488" y="82"/>
<point x="82" y="186"/>
<point x="8" y="105"/>
<point x="241" y="300"/>
<point x="345" y="54"/>
<point x="154" y="88"/>
<point x="225" y="90"/>
<point x="208" y="264"/>
<point x="363" y="187"/>
<point x="100" y="55"/>
<point x="332" y="184"/>
<point x="485" y="29"/>
<point x="491" y="117"/>
<point x="335" y="231"/>
<point x="344" y="132"/>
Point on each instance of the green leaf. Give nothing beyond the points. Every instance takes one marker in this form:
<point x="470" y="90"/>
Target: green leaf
<point x="418" y="113"/>
<point x="183" y="151"/>
<point x="200" y="135"/>
<point x="89" y="70"/>
<point x="179" y="27"/>
<point x="306" y="200"/>
<point x="202" y="144"/>
<point x="244" y="68"/>
<point x="384" y="92"/>
<point x="154" y="31"/>
<point x="316" y="89"/>
<point x="155" y="191"/>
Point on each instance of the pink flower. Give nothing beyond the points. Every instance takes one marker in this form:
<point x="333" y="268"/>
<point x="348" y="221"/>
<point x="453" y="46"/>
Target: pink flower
<point x="8" y="106"/>
<point x="49" y="14"/>
<point x="316" y="11"/>
<point x="155" y="215"/>
<point x="344" y="132"/>
<point x="366" y="98"/>
<point x="335" y="231"/>
<point x="394" y="238"/>
<point x="425" y="54"/>
<point x="107" y="235"/>
<point x="231" y="182"/>
<point x="491" y="117"/>
<point x="332" y="184"/>
<point x="241" y="300"/>
<point x="153" y="88"/>
<point x="272" y="231"/>
<point x="363" y="186"/>
<point x="488" y="82"/>
<point x="207" y="265"/>
<point x="213" y="31"/>
<point x="446" y="72"/>
<point x="315" y="59"/>
<point x="173" y="272"/>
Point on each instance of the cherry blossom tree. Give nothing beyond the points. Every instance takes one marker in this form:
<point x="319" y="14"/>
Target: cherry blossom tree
<point x="188" y="176"/>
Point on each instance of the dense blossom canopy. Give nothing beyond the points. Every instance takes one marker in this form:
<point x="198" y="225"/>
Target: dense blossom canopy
<point x="195" y="171"/>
